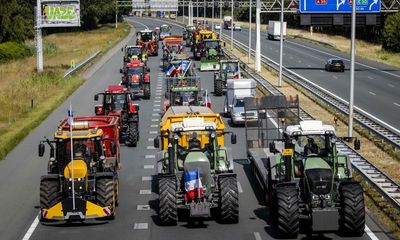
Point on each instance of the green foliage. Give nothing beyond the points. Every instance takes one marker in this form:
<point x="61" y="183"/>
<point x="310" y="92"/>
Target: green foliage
<point x="12" y="50"/>
<point x="391" y="33"/>
<point x="16" y="20"/>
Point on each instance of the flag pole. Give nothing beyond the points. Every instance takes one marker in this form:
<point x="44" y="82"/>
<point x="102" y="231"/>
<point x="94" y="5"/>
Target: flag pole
<point x="71" y="121"/>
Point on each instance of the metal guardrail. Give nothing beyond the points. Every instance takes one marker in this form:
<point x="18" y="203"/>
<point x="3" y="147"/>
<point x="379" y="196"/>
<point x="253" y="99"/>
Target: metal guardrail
<point x="81" y="64"/>
<point x="375" y="125"/>
<point x="376" y="178"/>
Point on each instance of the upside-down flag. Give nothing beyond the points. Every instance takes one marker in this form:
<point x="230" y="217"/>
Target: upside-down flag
<point x="193" y="186"/>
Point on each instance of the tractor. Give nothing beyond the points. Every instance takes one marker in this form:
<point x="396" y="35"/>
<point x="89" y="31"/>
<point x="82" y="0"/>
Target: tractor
<point x="195" y="172"/>
<point x="304" y="177"/>
<point x="188" y="35"/>
<point x="82" y="179"/>
<point x="134" y="53"/>
<point x="136" y="77"/>
<point x="228" y="69"/>
<point x="117" y="101"/>
<point x="198" y="46"/>
<point x="165" y="31"/>
<point x="172" y="46"/>
<point x="210" y="55"/>
<point x="148" y="40"/>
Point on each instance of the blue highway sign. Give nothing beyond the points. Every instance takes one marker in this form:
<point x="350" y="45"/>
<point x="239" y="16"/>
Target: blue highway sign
<point x="339" y="6"/>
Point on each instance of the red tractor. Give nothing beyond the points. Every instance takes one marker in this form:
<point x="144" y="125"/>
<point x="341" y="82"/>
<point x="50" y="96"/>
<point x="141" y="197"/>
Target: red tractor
<point x="117" y="101"/>
<point x="148" y="40"/>
<point x="136" y="77"/>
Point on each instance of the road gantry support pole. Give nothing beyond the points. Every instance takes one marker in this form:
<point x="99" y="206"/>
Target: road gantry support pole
<point x="39" y="42"/>
<point x="249" y="56"/>
<point x="204" y="13"/>
<point x="281" y="46"/>
<point x="232" y="25"/>
<point x="183" y="13"/>
<point x="258" y="37"/>
<point x="212" y="21"/>
<point x="352" y="66"/>
<point x="220" y="17"/>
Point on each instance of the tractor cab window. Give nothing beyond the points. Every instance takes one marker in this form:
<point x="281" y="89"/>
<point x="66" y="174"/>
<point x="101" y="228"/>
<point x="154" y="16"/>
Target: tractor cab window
<point x="211" y="44"/>
<point x="317" y="145"/>
<point x="135" y="71"/>
<point x="115" y="101"/>
<point x="185" y="99"/>
<point x="134" y="51"/>
<point x="165" y="28"/>
<point x="146" y="36"/>
<point x="229" y="67"/>
<point x="83" y="149"/>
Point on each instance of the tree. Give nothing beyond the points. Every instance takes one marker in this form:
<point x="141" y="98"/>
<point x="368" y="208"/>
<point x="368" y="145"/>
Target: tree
<point x="391" y="33"/>
<point x="16" y="20"/>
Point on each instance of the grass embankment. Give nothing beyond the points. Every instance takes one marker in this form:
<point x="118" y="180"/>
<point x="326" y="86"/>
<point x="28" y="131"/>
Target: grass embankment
<point x="364" y="49"/>
<point x="378" y="206"/>
<point x="27" y="98"/>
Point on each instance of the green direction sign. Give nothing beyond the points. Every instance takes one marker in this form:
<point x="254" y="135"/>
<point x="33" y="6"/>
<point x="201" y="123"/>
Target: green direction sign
<point x="60" y="13"/>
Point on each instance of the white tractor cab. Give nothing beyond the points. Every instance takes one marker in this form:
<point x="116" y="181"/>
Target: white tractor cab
<point x="237" y="91"/>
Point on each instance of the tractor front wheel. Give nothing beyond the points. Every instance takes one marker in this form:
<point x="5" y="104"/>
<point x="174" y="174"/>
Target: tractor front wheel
<point x="228" y="200"/>
<point x="133" y="134"/>
<point x="219" y="85"/>
<point x="286" y="210"/>
<point x="146" y="91"/>
<point x="352" y="213"/>
<point x="106" y="194"/>
<point x="168" y="210"/>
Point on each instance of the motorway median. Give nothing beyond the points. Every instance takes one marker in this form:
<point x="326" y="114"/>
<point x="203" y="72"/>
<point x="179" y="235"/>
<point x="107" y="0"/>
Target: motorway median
<point x="27" y="98"/>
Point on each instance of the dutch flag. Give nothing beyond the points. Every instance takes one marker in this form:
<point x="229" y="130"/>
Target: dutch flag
<point x="193" y="186"/>
<point x="170" y="69"/>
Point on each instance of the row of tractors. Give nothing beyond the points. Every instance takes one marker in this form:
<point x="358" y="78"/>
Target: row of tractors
<point x="82" y="180"/>
<point x="296" y="163"/>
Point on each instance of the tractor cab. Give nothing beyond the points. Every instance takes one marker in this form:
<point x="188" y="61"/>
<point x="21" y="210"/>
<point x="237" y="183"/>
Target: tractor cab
<point x="148" y="40"/>
<point x="134" y="53"/>
<point x="136" y="78"/>
<point x="145" y="36"/>
<point x="210" y="54"/>
<point x="165" y="31"/>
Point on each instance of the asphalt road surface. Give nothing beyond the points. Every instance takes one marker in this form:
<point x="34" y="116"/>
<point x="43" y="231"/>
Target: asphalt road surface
<point x="377" y="85"/>
<point x="136" y="215"/>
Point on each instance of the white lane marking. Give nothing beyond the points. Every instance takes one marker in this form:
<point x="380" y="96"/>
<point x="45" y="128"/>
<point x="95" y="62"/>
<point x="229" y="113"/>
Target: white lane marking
<point x="153" y="126"/>
<point x="31" y="229"/>
<point x="309" y="66"/>
<point x="321" y="70"/>
<point x="150" y="156"/>
<point x="158" y="94"/>
<point x="395" y="103"/>
<point x="143" y="207"/>
<point x="370" y="233"/>
<point x="257" y="236"/>
<point x="145" y="191"/>
<point x="390" y="85"/>
<point x="147" y="178"/>
<point x="370" y="77"/>
<point x="148" y="166"/>
<point x="141" y="226"/>
<point x="372" y="93"/>
<point x="240" y="189"/>
<point x="155" y="114"/>
<point x="157" y="101"/>
<point x="153" y="132"/>
<point x="156" y="105"/>
<point x="155" y="120"/>
<point x="333" y="55"/>
<point x="334" y="76"/>
<point x="156" y="110"/>
<point x="158" y="97"/>
<point x="150" y="147"/>
<point x="144" y="25"/>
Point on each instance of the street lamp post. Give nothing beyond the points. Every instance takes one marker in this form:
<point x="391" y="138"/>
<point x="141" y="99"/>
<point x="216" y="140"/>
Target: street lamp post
<point x="39" y="43"/>
<point x="220" y="16"/>
<point x="232" y="25"/>
<point x="352" y="66"/>
<point x="258" y="37"/>
<point x="212" y="21"/>
<point x="204" y="13"/>
<point x="249" y="56"/>
<point x="281" y="46"/>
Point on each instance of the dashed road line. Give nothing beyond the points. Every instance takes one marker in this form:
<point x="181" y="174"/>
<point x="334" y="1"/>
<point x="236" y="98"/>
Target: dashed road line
<point x="150" y="156"/>
<point x="372" y="93"/>
<point x="147" y="178"/>
<point x="141" y="226"/>
<point x="157" y="97"/>
<point x="335" y="77"/>
<point x="154" y="126"/>
<point x="143" y="207"/>
<point x="153" y="132"/>
<point x="156" y="105"/>
<point x="150" y="147"/>
<point x="145" y="191"/>
<point x="155" y="114"/>
<point x="395" y="103"/>
<point x="370" y="77"/>
<point x="31" y="229"/>
<point x="155" y="120"/>
<point x="150" y="139"/>
<point x="390" y="85"/>
<point x="240" y="189"/>
<point x="156" y="110"/>
<point x="157" y="101"/>
<point x="257" y="236"/>
<point x="148" y="166"/>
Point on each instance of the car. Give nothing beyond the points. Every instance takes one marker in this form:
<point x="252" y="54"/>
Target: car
<point x="217" y="26"/>
<point x="334" y="64"/>
<point x="237" y="27"/>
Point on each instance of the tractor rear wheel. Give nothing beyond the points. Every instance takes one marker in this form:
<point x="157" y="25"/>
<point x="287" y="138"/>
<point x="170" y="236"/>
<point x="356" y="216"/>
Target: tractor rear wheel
<point x="219" y="88"/>
<point x="133" y="134"/>
<point x="49" y="193"/>
<point x="286" y="211"/>
<point x="146" y="90"/>
<point x="106" y="194"/>
<point x="228" y="200"/>
<point x="352" y="213"/>
<point x="168" y="210"/>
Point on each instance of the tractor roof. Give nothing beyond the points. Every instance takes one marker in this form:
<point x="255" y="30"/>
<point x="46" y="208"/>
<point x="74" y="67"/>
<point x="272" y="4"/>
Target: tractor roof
<point x="116" y="89"/>
<point x="135" y="63"/>
<point x="134" y="46"/>
<point x="185" y="89"/>
<point x="310" y="127"/>
<point x="230" y="61"/>
<point x="193" y="124"/>
<point x="145" y="31"/>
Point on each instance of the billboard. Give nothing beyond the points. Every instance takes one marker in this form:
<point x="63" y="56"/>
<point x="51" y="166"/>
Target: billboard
<point x="339" y="6"/>
<point x="61" y="13"/>
<point x="166" y="5"/>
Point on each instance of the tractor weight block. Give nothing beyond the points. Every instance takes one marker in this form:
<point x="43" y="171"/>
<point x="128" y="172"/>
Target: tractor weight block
<point x="200" y="210"/>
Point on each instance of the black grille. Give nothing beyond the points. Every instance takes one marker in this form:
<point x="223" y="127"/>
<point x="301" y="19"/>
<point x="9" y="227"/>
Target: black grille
<point x="320" y="180"/>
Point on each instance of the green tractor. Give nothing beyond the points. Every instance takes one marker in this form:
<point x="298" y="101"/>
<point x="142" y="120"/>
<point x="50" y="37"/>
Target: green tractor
<point x="195" y="172"/>
<point x="210" y="55"/>
<point x="228" y="69"/>
<point x="302" y="174"/>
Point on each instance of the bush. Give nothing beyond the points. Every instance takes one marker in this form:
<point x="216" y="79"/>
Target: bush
<point x="12" y="50"/>
<point x="391" y="33"/>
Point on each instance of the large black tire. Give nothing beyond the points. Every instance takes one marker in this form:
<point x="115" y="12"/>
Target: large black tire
<point x="49" y="193"/>
<point x="352" y="213"/>
<point x="168" y="209"/>
<point x="106" y="194"/>
<point x="228" y="200"/>
<point x="146" y="90"/>
<point x="132" y="136"/>
<point x="219" y="86"/>
<point x="286" y="211"/>
<point x="116" y="190"/>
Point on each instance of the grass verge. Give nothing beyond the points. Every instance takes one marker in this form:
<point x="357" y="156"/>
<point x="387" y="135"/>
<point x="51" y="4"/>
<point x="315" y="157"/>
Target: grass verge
<point x="27" y="98"/>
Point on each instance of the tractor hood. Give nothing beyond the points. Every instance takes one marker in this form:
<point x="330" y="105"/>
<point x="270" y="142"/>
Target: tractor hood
<point x="319" y="175"/>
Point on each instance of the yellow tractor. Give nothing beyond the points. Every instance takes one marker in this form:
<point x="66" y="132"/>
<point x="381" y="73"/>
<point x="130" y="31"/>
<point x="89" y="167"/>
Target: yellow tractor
<point x="83" y="183"/>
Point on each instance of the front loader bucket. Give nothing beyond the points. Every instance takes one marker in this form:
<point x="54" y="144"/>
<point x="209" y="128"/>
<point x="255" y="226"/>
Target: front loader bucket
<point x="209" y="65"/>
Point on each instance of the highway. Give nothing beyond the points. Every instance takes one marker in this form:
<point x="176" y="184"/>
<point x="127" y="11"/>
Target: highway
<point x="136" y="215"/>
<point x="377" y="85"/>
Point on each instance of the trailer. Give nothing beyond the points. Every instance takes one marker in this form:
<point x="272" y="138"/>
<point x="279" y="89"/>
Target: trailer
<point x="274" y="30"/>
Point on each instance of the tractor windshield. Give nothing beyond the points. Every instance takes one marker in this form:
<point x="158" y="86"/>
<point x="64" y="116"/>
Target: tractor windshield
<point x="135" y="71"/>
<point x="83" y="149"/>
<point x="319" y="145"/>
<point x="114" y="102"/>
<point x="146" y="36"/>
<point x="195" y="141"/>
<point x="229" y="67"/>
<point x="165" y="28"/>
<point x="185" y="99"/>
<point x="134" y="51"/>
<point x="211" y="44"/>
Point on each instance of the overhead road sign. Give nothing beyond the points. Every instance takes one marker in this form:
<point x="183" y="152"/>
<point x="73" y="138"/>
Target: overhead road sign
<point x="60" y="13"/>
<point x="339" y="6"/>
<point x="153" y="5"/>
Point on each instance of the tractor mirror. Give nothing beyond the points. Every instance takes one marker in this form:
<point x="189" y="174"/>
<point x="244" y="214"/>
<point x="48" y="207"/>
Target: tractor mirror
<point x="122" y="49"/>
<point x="224" y="44"/>
<point x="148" y="69"/>
<point x="113" y="148"/>
<point x="96" y="97"/>
<point x="272" y="148"/>
<point x="98" y="110"/>
<point x="233" y="138"/>
<point x="156" y="142"/>
<point x="357" y="144"/>
<point x="120" y="70"/>
<point x="41" y="149"/>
